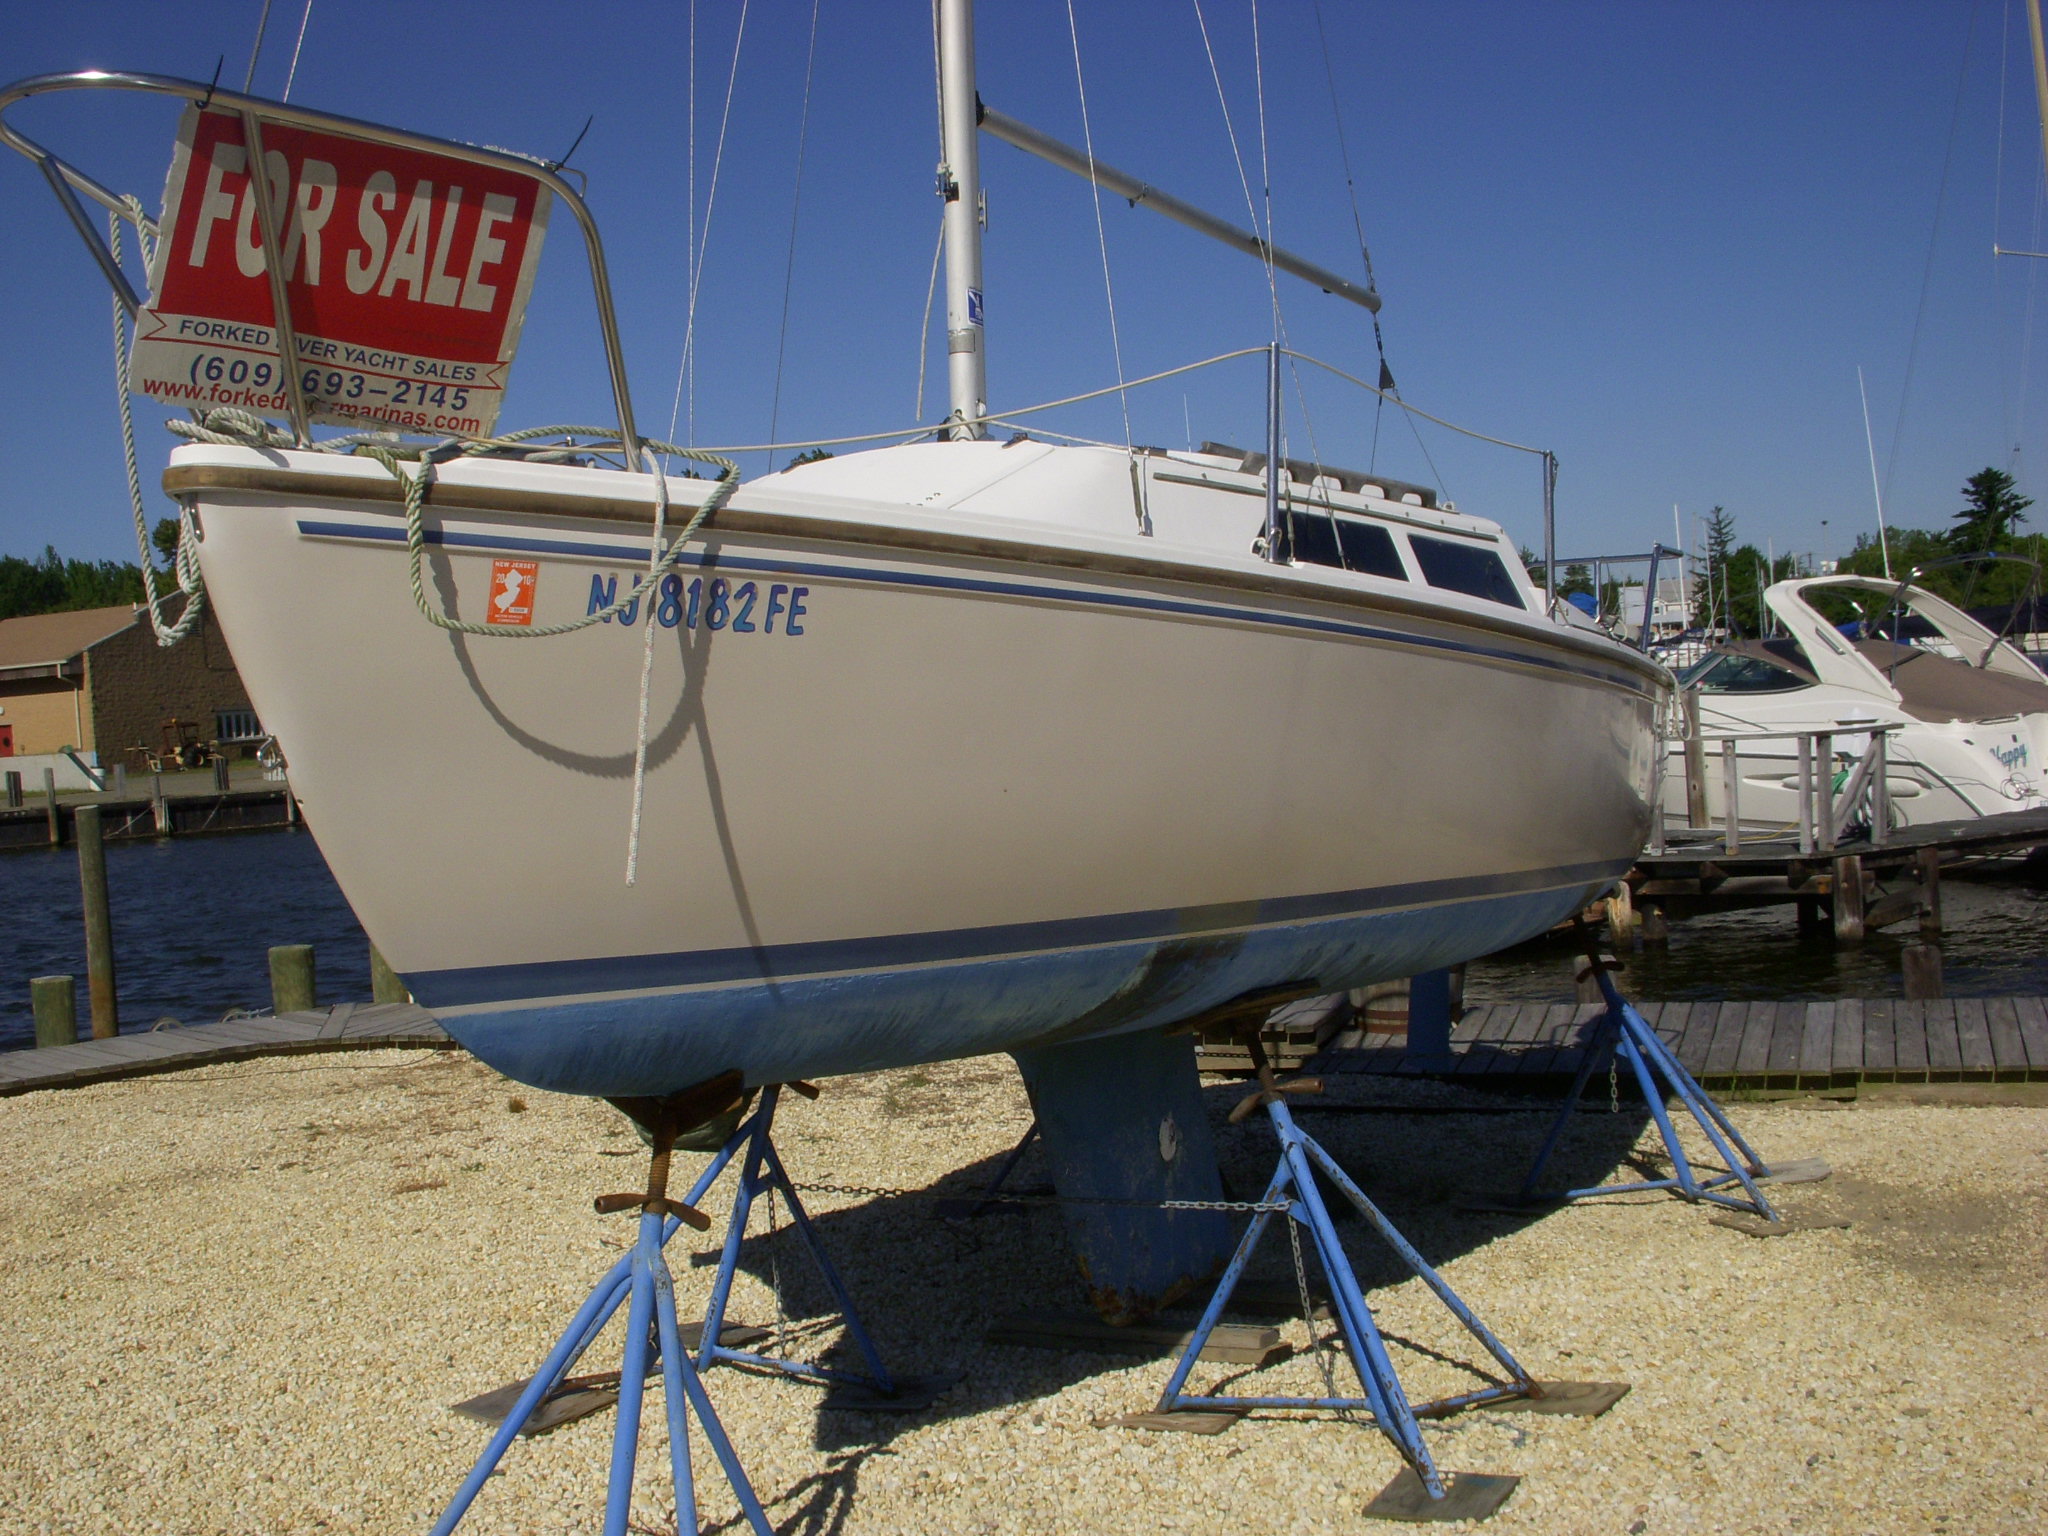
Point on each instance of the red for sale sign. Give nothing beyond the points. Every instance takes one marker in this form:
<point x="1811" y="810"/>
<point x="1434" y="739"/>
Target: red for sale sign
<point x="407" y="276"/>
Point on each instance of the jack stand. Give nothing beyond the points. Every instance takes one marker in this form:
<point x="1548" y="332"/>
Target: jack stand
<point x="1622" y="1033"/>
<point x="872" y="1391"/>
<point x="967" y="1210"/>
<point x="642" y="1280"/>
<point x="1421" y="1492"/>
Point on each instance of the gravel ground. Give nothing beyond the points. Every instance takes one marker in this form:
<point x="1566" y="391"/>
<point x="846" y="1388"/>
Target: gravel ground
<point x="240" y="1299"/>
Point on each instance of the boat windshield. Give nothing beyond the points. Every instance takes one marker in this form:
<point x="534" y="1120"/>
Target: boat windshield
<point x="1742" y="671"/>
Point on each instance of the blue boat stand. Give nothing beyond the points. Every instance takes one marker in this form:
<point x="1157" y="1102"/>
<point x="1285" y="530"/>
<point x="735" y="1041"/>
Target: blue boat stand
<point x="1622" y="1034"/>
<point x="1294" y="1186"/>
<point x="642" y="1282"/>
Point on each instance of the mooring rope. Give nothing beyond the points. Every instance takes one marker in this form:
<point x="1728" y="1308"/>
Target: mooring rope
<point x="185" y="559"/>
<point x="233" y="427"/>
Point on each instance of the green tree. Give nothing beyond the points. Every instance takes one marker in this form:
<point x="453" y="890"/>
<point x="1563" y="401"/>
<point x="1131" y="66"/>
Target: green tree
<point x="56" y="585"/>
<point x="1711" y="608"/>
<point x="164" y="536"/>
<point x="1991" y="514"/>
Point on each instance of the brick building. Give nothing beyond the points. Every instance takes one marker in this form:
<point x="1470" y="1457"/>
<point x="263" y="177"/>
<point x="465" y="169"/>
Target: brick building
<point x="96" y="681"/>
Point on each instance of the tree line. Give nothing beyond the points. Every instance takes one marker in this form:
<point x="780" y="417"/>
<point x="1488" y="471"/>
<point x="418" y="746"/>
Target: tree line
<point x="1731" y="577"/>
<point x="53" y="584"/>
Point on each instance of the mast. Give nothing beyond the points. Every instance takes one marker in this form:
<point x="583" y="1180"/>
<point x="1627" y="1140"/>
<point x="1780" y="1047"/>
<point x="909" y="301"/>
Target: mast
<point x="960" y="186"/>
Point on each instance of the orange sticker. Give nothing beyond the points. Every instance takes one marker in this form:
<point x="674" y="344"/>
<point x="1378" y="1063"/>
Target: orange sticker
<point x="512" y="585"/>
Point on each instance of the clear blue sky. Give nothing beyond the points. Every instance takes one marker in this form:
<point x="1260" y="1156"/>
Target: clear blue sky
<point x="1656" y="238"/>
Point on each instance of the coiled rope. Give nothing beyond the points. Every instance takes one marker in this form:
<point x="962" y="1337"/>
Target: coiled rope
<point x="185" y="562"/>
<point x="233" y="427"/>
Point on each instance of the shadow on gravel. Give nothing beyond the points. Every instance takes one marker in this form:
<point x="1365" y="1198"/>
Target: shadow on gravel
<point x="928" y="1288"/>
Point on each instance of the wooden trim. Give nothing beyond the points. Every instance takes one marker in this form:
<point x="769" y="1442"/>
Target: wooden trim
<point x="381" y="489"/>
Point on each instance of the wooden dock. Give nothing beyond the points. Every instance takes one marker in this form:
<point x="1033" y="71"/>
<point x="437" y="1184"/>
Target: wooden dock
<point x="131" y="818"/>
<point x="1694" y="872"/>
<point x="1791" y="1046"/>
<point x="344" y="1027"/>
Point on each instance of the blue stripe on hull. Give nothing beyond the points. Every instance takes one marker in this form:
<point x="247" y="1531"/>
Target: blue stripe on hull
<point x="860" y="1022"/>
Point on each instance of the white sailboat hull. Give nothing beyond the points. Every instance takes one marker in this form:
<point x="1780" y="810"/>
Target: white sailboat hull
<point x="969" y="801"/>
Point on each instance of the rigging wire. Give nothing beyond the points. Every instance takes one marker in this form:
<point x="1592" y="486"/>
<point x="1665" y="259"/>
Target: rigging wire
<point x="1933" y="240"/>
<point x="293" y="73"/>
<point x="686" y="368"/>
<point x="256" y="48"/>
<point x="796" y="197"/>
<point x="1379" y="340"/>
<point x="1116" y="344"/>
<point x="924" y="331"/>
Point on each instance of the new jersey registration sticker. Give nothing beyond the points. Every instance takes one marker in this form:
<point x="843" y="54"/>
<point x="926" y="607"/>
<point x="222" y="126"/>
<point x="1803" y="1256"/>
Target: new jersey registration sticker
<point x="512" y="587"/>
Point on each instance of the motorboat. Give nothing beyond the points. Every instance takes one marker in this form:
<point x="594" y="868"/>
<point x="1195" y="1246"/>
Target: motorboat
<point x="972" y="744"/>
<point x="1967" y="711"/>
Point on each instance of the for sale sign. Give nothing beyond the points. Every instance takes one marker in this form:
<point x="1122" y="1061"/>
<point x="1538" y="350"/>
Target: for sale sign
<point x="406" y="273"/>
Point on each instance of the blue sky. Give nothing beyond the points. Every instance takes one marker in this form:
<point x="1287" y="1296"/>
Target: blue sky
<point x="1656" y="238"/>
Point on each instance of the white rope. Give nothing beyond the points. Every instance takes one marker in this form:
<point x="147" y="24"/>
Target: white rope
<point x="1116" y="345"/>
<point x="686" y="369"/>
<point x="185" y="559"/>
<point x="654" y="468"/>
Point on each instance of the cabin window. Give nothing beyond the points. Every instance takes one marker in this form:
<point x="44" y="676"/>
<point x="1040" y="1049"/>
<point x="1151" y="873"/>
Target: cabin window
<point x="1344" y="542"/>
<point x="1473" y="569"/>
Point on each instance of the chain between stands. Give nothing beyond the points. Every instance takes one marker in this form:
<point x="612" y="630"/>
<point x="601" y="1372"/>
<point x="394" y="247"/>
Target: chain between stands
<point x="997" y="1198"/>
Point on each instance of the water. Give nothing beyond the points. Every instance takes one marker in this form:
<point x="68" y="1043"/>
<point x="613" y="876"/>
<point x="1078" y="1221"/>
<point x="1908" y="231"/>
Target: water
<point x="1994" y="944"/>
<point x="194" y="919"/>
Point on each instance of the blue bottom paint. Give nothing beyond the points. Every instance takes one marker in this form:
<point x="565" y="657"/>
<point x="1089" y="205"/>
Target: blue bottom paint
<point x="825" y="1026"/>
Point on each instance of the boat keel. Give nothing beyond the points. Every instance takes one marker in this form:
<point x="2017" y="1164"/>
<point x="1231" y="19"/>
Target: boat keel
<point x="1122" y="1120"/>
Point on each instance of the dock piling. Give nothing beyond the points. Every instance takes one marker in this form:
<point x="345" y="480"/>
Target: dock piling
<point x="160" y="811"/>
<point x="99" y="926"/>
<point x="1921" y="968"/>
<point x="385" y="985"/>
<point x="1929" y="859"/>
<point x="50" y="800"/>
<point x="1731" y="797"/>
<point x="120" y="781"/>
<point x="1848" y="899"/>
<point x="14" y="795"/>
<point x="291" y="978"/>
<point x="220" y="774"/>
<point x="1695" y="761"/>
<point x="54" y="1000"/>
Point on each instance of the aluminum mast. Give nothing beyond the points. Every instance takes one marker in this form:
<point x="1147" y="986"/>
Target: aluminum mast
<point x="960" y="185"/>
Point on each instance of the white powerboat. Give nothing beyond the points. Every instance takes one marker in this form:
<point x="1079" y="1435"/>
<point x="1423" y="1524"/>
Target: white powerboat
<point x="1969" y="711"/>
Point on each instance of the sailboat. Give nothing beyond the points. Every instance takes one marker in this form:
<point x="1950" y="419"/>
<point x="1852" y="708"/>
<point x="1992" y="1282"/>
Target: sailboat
<point x="963" y="745"/>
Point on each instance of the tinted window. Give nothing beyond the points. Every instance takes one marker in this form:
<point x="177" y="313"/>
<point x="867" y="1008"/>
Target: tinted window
<point x="1370" y="548"/>
<point x="1473" y="569"/>
<point x="1311" y="537"/>
<point x="1322" y="540"/>
<point x="1743" y="674"/>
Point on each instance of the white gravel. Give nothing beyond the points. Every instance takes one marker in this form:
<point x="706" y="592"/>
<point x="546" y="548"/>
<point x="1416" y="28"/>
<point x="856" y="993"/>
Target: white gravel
<point x="240" y="1299"/>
